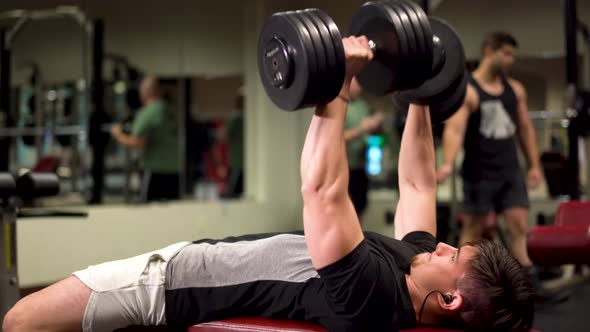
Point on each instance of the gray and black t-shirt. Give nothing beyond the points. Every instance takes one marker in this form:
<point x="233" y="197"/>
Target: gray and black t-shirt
<point x="271" y="275"/>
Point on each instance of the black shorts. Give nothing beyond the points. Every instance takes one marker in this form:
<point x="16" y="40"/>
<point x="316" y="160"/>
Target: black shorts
<point x="484" y="196"/>
<point x="160" y="186"/>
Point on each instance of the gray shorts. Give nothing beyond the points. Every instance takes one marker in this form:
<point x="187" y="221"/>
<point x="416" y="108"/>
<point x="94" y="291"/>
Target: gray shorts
<point x="127" y="292"/>
<point x="484" y="196"/>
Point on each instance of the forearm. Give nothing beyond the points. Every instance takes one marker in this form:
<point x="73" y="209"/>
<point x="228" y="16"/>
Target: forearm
<point x="129" y="141"/>
<point x="324" y="167"/>
<point x="528" y="142"/>
<point x="452" y="144"/>
<point x="353" y="133"/>
<point x="416" y="159"/>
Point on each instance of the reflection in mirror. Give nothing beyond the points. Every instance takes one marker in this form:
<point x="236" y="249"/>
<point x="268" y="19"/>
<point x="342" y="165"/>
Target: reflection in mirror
<point x="184" y="141"/>
<point x="44" y="99"/>
<point x="74" y="76"/>
<point x="215" y="139"/>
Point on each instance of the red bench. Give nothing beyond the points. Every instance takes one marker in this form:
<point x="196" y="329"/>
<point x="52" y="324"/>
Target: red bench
<point x="565" y="242"/>
<point x="268" y="325"/>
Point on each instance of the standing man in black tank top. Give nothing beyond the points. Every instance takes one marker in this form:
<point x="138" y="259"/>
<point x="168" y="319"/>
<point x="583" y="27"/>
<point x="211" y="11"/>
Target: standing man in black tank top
<point x="494" y="113"/>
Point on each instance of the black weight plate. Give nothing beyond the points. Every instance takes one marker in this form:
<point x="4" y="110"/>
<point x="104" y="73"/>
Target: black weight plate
<point x="412" y="62"/>
<point x="441" y="110"/>
<point x="427" y="33"/>
<point x="422" y="70"/>
<point x="340" y="69"/>
<point x="331" y="87"/>
<point x="374" y="21"/>
<point x="278" y="37"/>
<point x="404" y="67"/>
<point x="7" y="186"/>
<point x="318" y="85"/>
<point x="312" y="58"/>
<point x="453" y="67"/>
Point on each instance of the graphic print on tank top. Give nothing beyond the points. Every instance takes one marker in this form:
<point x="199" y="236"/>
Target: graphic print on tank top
<point x="495" y="120"/>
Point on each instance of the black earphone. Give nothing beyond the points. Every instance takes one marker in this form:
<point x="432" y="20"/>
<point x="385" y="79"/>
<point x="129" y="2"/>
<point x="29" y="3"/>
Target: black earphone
<point x="446" y="297"/>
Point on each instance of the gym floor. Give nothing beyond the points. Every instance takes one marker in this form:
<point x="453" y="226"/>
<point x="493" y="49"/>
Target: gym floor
<point x="571" y="315"/>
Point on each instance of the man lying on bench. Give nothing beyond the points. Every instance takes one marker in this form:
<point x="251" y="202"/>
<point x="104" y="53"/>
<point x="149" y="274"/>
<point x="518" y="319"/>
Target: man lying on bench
<point x="334" y="275"/>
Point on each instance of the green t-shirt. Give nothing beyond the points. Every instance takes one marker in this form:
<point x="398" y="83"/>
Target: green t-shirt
<point x="358" y="109"/>
<point x="159" y="127"/>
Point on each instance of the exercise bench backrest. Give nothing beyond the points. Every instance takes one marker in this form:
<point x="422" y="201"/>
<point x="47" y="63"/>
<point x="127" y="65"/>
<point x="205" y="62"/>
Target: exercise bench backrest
<point x="573" y="213"/>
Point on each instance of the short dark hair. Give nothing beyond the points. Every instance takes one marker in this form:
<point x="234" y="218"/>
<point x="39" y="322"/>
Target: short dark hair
<point x="497" y="291"/>
<point x="497" y="39"/>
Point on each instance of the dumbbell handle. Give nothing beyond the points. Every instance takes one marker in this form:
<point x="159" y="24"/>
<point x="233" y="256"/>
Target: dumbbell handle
<point x="372" y="46"/>
<point x="439" y="53"/>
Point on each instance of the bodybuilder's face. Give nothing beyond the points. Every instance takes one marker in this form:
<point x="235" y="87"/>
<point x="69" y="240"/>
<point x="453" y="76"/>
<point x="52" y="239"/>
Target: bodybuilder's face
<point x="503" y="58"/>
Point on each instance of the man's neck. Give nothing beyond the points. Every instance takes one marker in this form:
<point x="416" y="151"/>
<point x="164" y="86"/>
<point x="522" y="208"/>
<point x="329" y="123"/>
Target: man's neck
<point x="417" y="295"/>
<point x="486" y="74"/>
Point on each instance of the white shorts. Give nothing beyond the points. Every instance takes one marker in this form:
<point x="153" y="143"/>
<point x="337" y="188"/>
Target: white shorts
<point x="127" y="292"/>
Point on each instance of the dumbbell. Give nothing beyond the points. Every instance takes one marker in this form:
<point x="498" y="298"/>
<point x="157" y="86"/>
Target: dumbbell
<point x="301" y="59"/>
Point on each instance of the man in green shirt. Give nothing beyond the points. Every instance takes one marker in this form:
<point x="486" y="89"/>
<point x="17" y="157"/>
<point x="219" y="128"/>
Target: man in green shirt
<point x="155" y="133"/>
<point x="358" y="123"/>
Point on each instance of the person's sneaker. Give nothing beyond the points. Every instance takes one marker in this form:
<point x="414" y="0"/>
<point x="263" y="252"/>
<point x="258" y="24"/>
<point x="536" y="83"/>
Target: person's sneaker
<point x="545" y="296"/>
<point x="549" y="273"/>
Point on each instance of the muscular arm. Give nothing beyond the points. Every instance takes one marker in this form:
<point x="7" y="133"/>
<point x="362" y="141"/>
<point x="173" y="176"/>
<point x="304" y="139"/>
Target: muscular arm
<point x="353" y="133"/>
<point x="416" y="208"/>
<point x="454" y="131"/>
<point x="332" y="229"/>
<point x="368" y="125"/>
<point x="131" y="141"/>
<point x="526" y="131"/>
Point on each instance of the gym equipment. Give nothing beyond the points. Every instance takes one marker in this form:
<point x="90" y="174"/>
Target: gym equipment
<point x="254" y="324"/>
<point x="71" y="130"/>
<point x="9" y="291"/>
<point x="33" y="185"/>
<point x="444" y="92"/>
<point x="13" y="190"/>
<point x="582" y="107"/>
<point x="565" y="242"/>
<point x="9" y="189"/>
<point x="90" y="89"/>
<point x="301" y="58"/>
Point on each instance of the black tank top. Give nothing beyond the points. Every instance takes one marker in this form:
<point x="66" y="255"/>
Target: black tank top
<point x="490" y="147"/>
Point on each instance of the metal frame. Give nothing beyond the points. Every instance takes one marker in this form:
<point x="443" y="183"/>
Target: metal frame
<point x="23" y="17"/>
<point x="9" y="283"/>
<point x="4" y="100"/>
<point x="60" y="12"/>
<point x="571" y="48"/>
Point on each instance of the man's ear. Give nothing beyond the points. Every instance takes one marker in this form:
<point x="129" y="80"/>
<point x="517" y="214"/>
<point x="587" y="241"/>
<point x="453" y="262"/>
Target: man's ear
<point x="453" y="305"/>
